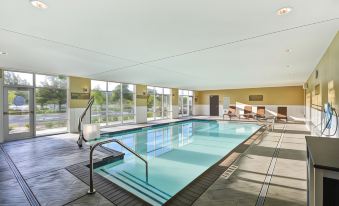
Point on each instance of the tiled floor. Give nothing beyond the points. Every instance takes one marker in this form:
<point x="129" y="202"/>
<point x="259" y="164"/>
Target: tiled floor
<point x="288" y="183"/>
<point x="42" y="162"/>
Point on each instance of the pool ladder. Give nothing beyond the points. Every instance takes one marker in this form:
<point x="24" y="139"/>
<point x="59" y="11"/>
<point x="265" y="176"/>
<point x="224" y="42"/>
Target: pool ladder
<point x="91" y="184"/>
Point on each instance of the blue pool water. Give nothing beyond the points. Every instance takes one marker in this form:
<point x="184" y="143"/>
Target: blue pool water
<point x="176" y="153"/>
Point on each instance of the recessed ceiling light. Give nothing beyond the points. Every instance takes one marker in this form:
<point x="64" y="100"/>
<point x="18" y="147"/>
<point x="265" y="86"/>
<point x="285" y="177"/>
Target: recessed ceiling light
<point x="3" y="53"/>
<point x="288" y="66"/>
<point x="284" y="11"/>
<point x="288" y="50"/>
<point x="39" y="4"/>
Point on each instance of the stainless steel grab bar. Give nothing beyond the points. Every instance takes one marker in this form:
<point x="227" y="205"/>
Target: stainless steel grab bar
<point x="81" y="135"/>
<point x="91" y="185"/>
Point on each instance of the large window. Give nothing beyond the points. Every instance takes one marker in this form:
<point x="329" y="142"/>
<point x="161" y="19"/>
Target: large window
<point x="51" y="104"/>
<point x="18" y="79"/>
<point x="41" y="96"/>
<point x="185" y="102"/>
<point x="114" y="103"/>
<point x="158" y="103"/>
<point x="128" y="103"/>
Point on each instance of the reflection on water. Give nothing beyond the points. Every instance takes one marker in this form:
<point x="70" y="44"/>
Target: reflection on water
<point x="155" y="142"/>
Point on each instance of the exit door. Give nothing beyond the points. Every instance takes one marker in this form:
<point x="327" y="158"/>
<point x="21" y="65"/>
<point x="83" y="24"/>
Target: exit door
<point x="18" y="113"/>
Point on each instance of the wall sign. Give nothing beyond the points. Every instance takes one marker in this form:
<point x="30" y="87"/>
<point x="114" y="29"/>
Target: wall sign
<point x="139" y="96"/>
<point x="75" y="95"/>
<point x="256" y="98"/>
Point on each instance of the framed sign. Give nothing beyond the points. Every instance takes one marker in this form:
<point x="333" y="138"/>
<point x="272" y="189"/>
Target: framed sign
<point x="75" y="95"/>
<point x="256" y="98"/>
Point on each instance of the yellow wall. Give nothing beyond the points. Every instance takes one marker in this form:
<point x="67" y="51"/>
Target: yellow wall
<point x="328" y="77"/>
<point x="291" y="95"/>
<point x="175" y="97"/>
<point x="77" y="85"/>
<point x="141" y="95"/>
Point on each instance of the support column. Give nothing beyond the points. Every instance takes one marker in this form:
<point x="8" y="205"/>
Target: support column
<point x="175" y="103"/>
<point x="141" y="104"/>
<point x="79" y="87"/>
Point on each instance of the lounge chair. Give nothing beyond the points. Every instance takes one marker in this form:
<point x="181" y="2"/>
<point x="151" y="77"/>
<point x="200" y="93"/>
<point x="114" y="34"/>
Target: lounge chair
<point x="260" y="112"/>
<point x="231" y="112"/>
<point x="248" y="112"/>
<point x="282" y="113"/>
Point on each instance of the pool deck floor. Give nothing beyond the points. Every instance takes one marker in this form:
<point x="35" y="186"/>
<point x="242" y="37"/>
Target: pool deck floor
<point x="36" y="169"/>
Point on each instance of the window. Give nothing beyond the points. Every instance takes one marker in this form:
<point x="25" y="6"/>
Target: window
<point x="99" y="107"/>
<point x="166" y="103"/>
<point x="128" y="102"/>
<point x="150" y="103"/>
<point x="18" y="78"/>
<point x="114" y="103"/>
<point x="185" y="102"/>
<point x="158" y="103"/>
<point x="51" y="104"/>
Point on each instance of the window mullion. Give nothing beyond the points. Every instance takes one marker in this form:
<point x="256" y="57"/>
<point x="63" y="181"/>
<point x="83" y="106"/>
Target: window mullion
<point x="121" y="105"/>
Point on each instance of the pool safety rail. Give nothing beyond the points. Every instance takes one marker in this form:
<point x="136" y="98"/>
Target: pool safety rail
<point x="81" y="118"/>
<point x="91" y="187"/>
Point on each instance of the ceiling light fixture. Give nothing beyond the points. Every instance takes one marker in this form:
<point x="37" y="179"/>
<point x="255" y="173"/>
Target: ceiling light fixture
<point x="288" y="50"/>
<point x="284" y="11"/>
<point x="38" y="4"/>
<point x="3" y="53"/>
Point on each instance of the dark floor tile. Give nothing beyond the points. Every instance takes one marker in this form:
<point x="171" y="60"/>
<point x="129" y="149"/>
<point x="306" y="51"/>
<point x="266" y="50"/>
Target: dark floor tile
<point x="91" y="200"/>
<point x="57" y="188"/>
<point x="11" y="194"/>
<point x="37" y="149"/>
<point x="35" y="167"/>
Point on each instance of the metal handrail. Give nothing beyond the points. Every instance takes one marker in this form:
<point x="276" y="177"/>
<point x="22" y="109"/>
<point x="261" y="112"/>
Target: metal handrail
<point x="91" y="187"/>
<point x="81" y="135"/>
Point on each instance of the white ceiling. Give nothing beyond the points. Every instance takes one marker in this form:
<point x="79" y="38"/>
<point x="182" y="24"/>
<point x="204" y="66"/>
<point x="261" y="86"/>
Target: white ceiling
<point x="192" y="44"/>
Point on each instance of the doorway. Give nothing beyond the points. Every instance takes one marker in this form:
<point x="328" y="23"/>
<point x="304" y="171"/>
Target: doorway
<point x="214" y="105"/>
<point x="18" y="113"/>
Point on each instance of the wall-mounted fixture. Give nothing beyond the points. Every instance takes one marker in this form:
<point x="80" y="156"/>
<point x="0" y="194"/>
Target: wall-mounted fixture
<point x="85" y="89"/>
<point x="305" y="86"/>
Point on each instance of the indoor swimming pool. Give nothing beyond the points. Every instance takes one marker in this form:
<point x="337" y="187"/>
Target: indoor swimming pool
<point x="176" y="153"/>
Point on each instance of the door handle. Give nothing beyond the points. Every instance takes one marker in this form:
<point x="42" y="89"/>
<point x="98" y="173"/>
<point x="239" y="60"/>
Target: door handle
<point x="5" y="113"/>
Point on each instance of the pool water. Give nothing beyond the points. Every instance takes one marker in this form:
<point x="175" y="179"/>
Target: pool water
<point x="176" y="153"/>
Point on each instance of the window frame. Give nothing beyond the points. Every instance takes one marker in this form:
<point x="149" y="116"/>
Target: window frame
<point x="121" y="116"/>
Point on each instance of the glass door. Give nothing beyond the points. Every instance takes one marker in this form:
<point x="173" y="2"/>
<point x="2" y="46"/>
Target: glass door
<point x="18" y="112"/>
<point x="185" y="107"/>
<point x="190" y="105"/>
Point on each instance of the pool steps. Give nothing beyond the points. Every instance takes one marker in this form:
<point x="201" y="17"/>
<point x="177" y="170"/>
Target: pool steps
<point x="147" y="190"/>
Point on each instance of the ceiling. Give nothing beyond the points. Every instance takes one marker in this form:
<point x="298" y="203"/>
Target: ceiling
<point x="191" y="44"/>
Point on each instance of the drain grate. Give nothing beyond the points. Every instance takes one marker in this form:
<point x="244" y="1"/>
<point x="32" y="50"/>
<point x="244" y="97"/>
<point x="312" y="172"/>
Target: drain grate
<point x="227" y="174"/>
<point x="268" y="178"/>
<point x="25" y="188"/>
